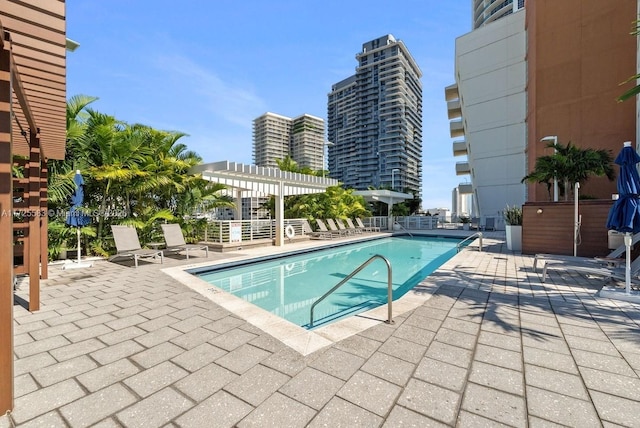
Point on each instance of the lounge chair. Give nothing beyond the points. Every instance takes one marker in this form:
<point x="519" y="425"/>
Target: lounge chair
<point x="335" y="229"/>
<point x="353" y="226"/>
<point x="343" y="228"/>
<point x="175" y="240"/>
<point x="489" y="223"/>
<point x="618" y="273"/>
<point x="366" y="228"/>
<point x="323" y="228"/>
<point x="602" y="261"/>
<point x="306" y="228"/>
<point x="128" y="245"/>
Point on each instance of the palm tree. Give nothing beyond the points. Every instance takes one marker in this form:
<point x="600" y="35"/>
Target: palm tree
<point x="570" y="164"/>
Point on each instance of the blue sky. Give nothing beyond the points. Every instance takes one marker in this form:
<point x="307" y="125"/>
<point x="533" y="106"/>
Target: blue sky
<point x="209" y="67"/>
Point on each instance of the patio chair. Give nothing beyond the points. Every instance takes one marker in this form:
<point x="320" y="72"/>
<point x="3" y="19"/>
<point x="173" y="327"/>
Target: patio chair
<point x="613" y="256"/>
<point x="128" y="245"/>
<point x="489" y="223"/>
<point x="175" y="240"/>
<point x="475" y="223"/>
<point x="343" y="229"/>
<point x="356" y="229"/>
<point x="594" y="269"/>
<point x="323" y="228"/>
<point x="306" y="228"/>
<point x="334" y="228"/>
<point x="366" y="228"/>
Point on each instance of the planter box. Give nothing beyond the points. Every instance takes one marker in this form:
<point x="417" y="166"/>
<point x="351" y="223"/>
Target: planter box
<point x="514" y="237"/>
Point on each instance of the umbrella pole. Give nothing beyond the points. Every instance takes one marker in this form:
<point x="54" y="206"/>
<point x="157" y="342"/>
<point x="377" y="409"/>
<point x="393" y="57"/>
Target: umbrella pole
<point x="627" y="271"/>
<point x="78" y="229"/>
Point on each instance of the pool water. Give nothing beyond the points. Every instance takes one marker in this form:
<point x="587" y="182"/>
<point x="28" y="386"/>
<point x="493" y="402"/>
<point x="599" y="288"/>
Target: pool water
<point x="288" y="286"/>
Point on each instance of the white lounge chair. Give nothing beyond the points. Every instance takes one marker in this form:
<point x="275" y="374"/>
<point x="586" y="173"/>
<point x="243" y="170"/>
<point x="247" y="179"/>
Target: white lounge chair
<point x="618" y="273"/>
<point x="175" y="240"/>
<point x="366" y="228"/>
<point x="353" y="227"/>
<point x="128" y="245"/>
<point x="343" y="229"/>
<point x="602" y="261"/>
<point x="335" y="229"/>
<point x="306" y="228"/>
<point x="323" y="228"/>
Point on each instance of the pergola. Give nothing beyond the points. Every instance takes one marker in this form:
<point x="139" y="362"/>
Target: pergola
<point x="32" y="126"/>
<point x="250" y="180"/>
<point x="388" y="197"/>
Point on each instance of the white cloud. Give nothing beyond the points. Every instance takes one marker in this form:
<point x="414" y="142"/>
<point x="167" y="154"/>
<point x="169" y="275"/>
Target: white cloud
<point x="231" y="101"/>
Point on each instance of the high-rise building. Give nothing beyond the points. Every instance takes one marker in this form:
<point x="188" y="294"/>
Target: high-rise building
<point x="486" y="11"/>
<point x="375" y="120"/>
<point x="276" y="137"/>
<point x="307" y="141"/>
<point x="549" y="71"/>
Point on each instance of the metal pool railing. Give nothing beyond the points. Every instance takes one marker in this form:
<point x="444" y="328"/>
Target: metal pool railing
<point x="351" y="275"/>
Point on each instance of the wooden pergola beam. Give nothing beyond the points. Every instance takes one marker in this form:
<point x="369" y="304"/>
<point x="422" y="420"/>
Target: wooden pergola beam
<point x="6" y="234"/>
<point x="34" y="221"/>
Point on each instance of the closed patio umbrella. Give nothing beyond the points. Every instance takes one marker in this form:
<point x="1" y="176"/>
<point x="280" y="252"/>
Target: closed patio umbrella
<point x="624" y="215"/>
<point x="76" y="217"/>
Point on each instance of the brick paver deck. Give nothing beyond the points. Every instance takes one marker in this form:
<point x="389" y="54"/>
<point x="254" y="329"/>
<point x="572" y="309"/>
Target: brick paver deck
<point x="117" y="346"/>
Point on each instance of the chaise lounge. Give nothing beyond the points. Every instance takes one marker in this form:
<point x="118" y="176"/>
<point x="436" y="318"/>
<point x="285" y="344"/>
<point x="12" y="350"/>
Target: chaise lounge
<point x="175" y="240"/>
<point x="128" y="245"/>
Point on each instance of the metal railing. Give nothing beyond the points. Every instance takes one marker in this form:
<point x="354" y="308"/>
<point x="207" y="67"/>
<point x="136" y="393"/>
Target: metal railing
<point x="403" y="228"/>
<point x="468" y="238"/>
<point x="351" y="275"/>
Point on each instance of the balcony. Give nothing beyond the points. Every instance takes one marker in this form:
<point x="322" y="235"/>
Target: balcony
<point x="454" y="110"/>
<point x="460" y="148"/>
<point x="456" y="128"/>
<point x="463" y="168"/>
<point x="465" y="188"/>
<point x="451" y="92"/>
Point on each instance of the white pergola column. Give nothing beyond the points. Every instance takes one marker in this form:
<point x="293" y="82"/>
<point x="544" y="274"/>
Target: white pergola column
<point x="238" y="215"/>
<point x="280" y="215"/>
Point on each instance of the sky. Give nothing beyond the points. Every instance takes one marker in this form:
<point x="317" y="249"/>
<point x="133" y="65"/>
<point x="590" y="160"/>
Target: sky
<point x="207" y="68"/>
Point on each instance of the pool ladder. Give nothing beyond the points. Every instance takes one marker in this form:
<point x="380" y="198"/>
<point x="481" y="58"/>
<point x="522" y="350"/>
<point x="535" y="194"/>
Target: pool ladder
<point x="475" y="235"/>
<point x="403" y="228"/>
<point x="351" y="275"/>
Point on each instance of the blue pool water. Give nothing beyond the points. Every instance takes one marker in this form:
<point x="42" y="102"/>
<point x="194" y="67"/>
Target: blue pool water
<point x="288" y="286"/>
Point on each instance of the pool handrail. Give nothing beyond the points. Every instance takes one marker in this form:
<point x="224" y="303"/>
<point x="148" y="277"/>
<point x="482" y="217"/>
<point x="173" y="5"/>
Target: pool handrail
<point x="351" y="275"/>
<point x="402" y="227"/>
<point x="475" y="235"/>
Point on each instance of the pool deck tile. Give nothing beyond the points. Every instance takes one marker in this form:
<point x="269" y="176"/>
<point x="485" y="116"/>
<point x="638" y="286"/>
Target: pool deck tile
<point x="482" y="341"/>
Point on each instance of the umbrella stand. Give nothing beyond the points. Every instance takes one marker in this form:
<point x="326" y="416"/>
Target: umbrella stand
<point x="627" y="270"/>
<point x="76" y="218"/>
<point x="77" y="264"/>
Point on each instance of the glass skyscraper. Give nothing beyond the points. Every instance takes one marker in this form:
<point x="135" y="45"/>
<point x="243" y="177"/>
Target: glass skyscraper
<point x="375" y="120"/>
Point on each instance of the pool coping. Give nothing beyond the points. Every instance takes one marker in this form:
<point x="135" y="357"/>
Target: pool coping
<point x="298" y="338"/>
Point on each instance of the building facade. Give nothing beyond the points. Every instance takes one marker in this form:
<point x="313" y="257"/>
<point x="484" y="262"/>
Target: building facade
<point x="487" y="11"/>
<point x="375" y="120"/>
<point x="276" y="137"/>
<point x="552" y="69"/>
<point x="488" y="108"/>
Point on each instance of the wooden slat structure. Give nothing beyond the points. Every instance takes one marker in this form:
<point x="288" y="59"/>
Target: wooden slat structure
<point x="32" y="130"/>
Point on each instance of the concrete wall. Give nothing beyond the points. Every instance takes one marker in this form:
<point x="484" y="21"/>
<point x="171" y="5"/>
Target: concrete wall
<point x="579" y="52"/>
<point x="491" y="78"/>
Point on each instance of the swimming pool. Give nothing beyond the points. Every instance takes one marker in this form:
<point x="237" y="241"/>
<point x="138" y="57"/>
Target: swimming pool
<point x="288" y="286"/>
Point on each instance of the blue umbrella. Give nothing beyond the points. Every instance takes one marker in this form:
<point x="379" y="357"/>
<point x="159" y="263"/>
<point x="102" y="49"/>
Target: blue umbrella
<point x="76" y="217"/>
<point x="624" y="215"/>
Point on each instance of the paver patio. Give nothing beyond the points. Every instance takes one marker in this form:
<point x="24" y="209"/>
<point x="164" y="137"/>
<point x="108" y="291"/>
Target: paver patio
<point x="117" y="346"/>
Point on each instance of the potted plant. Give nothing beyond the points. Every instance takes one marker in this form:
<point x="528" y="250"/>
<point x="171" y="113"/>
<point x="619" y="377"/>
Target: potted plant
<point x="513" y="220"/>
<point x="465" y="220"/>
